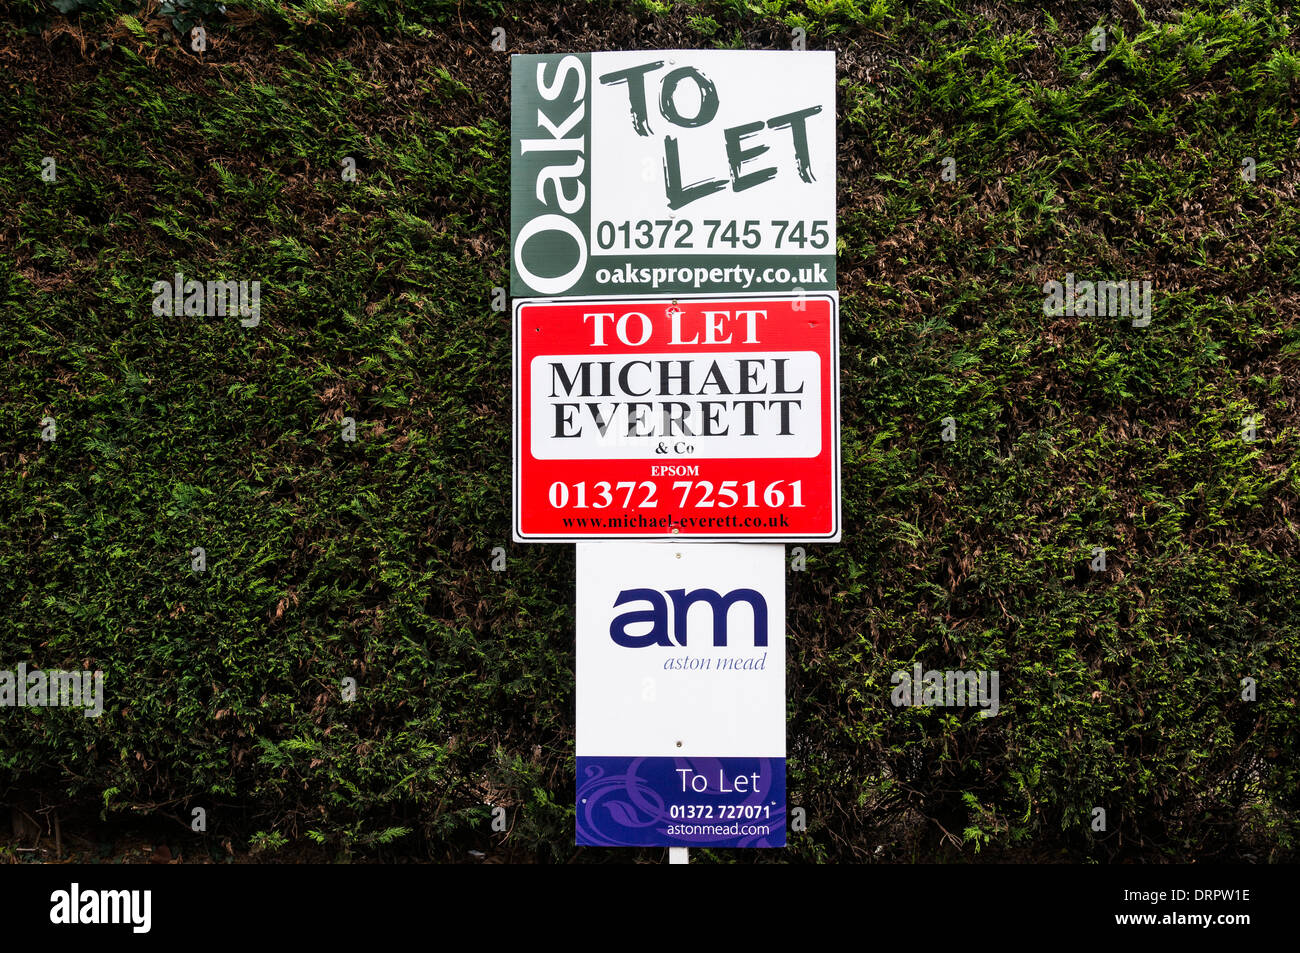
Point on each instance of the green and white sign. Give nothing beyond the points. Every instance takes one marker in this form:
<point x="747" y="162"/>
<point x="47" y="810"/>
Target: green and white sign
<point x="672" y="172"/>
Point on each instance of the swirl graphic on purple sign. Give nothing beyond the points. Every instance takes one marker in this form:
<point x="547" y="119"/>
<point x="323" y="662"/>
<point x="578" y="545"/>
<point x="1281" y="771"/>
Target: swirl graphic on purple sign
<point x="681" y="802"/>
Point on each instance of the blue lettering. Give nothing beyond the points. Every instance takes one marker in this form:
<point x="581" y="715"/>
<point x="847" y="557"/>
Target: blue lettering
<point x="657" y="615"/>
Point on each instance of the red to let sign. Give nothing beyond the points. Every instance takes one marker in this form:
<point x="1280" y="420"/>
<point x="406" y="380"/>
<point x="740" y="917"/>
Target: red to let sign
<point x="695" y="417"/>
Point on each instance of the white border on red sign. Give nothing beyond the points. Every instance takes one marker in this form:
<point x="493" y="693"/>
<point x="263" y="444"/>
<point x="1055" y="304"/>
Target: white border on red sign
<point x="837" y="508"/>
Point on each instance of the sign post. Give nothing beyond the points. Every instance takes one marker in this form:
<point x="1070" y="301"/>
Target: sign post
<point x="676" y="410"/>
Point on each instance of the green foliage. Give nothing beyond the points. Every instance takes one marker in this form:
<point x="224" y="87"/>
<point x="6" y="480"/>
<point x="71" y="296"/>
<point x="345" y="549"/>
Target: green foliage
<point x="187" y="14"/>
<point x="370" y="560"/>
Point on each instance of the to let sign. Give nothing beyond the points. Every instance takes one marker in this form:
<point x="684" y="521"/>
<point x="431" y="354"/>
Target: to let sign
<point x="680" y="702"/>
<point x="672" y="172"/>
<point x="698" y="417"/>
